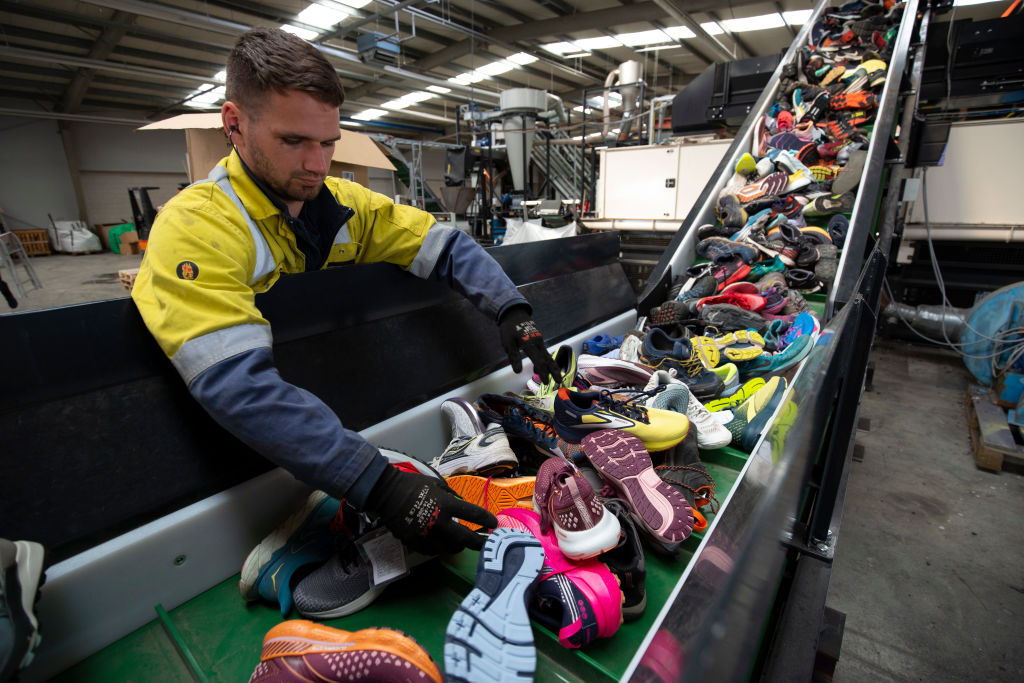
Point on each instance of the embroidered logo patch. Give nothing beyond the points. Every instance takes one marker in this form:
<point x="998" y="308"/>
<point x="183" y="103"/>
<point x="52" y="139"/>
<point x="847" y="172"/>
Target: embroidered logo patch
<point x="187" y="270"/>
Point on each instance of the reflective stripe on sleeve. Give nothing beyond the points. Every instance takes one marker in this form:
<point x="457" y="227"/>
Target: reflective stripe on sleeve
<point x="196" y="355"/>
<point x="430" y="251"/>
<point x="264" y="259"/>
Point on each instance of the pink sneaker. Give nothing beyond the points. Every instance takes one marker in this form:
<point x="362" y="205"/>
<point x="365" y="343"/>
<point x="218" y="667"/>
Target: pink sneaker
<point x="580" y="601"/>
<point x="623" y="461"/>
<point x="565" y="500"/>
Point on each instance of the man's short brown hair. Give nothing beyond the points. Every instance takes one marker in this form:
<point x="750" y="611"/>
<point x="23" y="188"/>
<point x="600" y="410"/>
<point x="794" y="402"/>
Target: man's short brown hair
<point x="266" y="59"/>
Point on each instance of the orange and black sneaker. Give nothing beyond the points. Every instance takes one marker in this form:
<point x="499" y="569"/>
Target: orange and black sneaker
<point x="299" y="650"/>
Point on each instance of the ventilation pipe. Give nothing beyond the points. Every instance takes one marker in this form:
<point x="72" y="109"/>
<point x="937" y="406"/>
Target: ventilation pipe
<point x="931" y="320"/>
<point x="519" y="110"/>
<point x="629" y="74"/>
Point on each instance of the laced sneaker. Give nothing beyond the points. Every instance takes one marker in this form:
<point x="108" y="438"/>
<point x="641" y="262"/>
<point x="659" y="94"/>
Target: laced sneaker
<point x="730" y="376"/>
<point x="623" y="462"/>
<point x="565" y="359"/>
<point x="752" y="416"/>
<point x="473" y="449"/>
<point x="306" y="538"/>
<point x="626" y="561"/>
<point x="677" y="396"/>
<point x="729" y="270"/>
<point x="296" y="651"/>
<point x="729" y="318"/>
<point x="684" y="471"/>
<point x="21" y="567"/>
<point x="525" y="422"/>
<point x="714" y="248"/>
<point x="662" y="352"/>
<point x="730" y="212"/>
<point x="748" y="389"/>
<point x="578" y="601"/>
<point x="489" y="638"/>
<point x="566" y="501"/>
<point x="577" y="414"/>
<point x="612" y="373"/>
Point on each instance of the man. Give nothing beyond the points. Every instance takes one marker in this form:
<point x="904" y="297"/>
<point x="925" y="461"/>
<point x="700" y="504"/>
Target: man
<point x="269" y="208"/>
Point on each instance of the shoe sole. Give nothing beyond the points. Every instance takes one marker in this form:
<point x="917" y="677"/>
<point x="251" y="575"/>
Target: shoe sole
<point x="299" y="637"/>
<point x="583" y="545"/>
<point x="494" y="495"/>
<point x="263" y="553"/>
<point x="489" y="638"/>
<point x="741" y="394"/>
<point x="486" y="462"/>
<point x="623" y="461"/>
<point x="755" y="427"/>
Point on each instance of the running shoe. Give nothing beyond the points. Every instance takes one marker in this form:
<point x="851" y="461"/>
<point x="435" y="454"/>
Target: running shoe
<point x="566" y="502"/>
<point x="611" y="373"/>
<point x="489" y="638"/>
<point x="577" y="414"/>
<point x="306" y="538"/>
<point x="626" y="561"/>
<point x="493" y="494"/>
<point x="751" y="417"/>
<point x="21" y="567"/>
<point x="623" y="462"/>
<point x="298" y="651"/>
<point x="522" y="421"/>
<point x="578" y="601"/>
<point x="683" y="470"/>
<point x="742" y="394"/>
<point x="473" y="449"/>
<point x="677" y="397"/>
<point x="730" y="376"/>
<point x="663" y="352"/>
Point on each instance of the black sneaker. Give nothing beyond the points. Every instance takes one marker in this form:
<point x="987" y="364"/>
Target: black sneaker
<point x="627" y="562"/>
<point x="729" y="318"/>
<point x="709" y="230"/>
<point x="684" y="471"/>
<point x="21" y="566"/>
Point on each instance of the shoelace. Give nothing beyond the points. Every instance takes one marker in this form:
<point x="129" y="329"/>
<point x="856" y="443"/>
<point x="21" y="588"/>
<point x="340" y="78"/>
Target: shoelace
<point x="608" y="401"/>
<point x="702" y="495"/>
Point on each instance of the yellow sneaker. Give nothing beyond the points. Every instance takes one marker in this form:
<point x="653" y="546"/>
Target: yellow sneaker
<point x="733" y="400"/>
<point x="579" y="413"/>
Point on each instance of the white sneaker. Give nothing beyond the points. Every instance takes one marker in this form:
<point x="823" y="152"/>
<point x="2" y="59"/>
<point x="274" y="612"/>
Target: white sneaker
<point x="710" y="432"/>
<point x="473" y="449"/>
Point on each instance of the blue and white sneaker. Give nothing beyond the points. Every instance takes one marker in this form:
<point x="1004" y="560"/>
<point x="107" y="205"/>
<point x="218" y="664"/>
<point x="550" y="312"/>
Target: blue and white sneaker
<point x="305" y="538"/>
<point x="489" y="638"/>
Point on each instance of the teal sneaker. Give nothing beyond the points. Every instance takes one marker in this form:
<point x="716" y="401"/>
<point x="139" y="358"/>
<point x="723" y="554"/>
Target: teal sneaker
<point x="794" y="352"/>
<point x="751" y="417"/>
<point x="305" y="538"/>
<point x="762" y="268"/>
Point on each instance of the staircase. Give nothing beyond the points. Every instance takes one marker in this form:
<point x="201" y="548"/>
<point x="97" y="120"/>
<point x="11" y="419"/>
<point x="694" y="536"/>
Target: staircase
<point x="567" y="166"/>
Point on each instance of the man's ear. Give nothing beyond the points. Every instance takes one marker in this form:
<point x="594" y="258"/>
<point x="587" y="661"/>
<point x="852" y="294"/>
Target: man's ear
<point x="230" y="116"/>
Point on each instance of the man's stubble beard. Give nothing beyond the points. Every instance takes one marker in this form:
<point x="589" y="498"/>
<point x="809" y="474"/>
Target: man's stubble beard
<point x="262" y="167"/>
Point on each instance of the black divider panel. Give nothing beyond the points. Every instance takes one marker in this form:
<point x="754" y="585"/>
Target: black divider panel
<point x="92" y="450"/>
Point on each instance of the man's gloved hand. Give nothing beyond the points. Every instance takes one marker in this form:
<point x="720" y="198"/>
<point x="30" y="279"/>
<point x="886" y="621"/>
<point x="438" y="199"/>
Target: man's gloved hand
<point x="419" y="509"/>
<point x="519" y="333"/>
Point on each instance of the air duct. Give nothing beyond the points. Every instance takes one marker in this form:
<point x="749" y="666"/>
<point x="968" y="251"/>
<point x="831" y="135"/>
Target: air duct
<point x="519" y="110"/>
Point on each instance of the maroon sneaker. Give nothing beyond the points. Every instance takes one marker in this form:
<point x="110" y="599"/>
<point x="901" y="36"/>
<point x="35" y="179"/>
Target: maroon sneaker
<point x="565" y="500"/>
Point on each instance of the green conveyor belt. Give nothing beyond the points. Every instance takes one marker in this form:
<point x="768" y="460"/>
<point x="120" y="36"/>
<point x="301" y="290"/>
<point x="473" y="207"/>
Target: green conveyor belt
<point x="219" y="635"/>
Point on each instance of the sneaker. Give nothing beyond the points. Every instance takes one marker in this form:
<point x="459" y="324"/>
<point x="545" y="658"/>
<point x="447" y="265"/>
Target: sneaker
<point x="838" y="226"/>
<point x="577" y="414"/>
<point x="530" y="424"/>
<point x="623" y="461"/>
<point x="21" y="567"/>
<point x="298" y="650"/>
<point x="630" y="349"/>
<point x="849" y="175"/>
<point x="729" y="270"/>
<point x="305" y="538"/>
<point x="626" y="561"/>
<point x="566" y="501"/>
<point x="769" y="186"/>
<point x="729" y="318"/>
<point x="827" y="265"/>
<point x="601" y="344"/>
<point x="565" y="359"/>
<point x="684" y="471"/>
<point x="489" y="638"/>
<point x="729" y="211"/>
<point x="578" y="601"/>
<point x="662" y="352"/>
<point x="493" y="495"/>
<point x="748" y="389"/>
<point x="762" y="268"/>
<point x="713" y="248"/>
<point x="473" y="448"/>
<point x="612" y="373"/>
<point x="730" y="376"/>
<point x="677" y="396"/>
<point x="751" y="417"/>
<point x="740" y="345"/>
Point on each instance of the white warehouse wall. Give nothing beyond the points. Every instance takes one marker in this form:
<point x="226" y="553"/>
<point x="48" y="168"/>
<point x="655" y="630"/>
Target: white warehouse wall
<point x="34" y="178"/>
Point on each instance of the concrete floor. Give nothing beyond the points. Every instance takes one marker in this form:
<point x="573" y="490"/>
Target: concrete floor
<point x="69" y="279"/>
<point x="928" y="566"/>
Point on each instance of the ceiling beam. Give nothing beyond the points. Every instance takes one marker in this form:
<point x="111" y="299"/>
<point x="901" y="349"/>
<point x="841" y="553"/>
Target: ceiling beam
<point x="742" y="48"/>
<point x="674" y="9"/>
<point x="101" y="49"/>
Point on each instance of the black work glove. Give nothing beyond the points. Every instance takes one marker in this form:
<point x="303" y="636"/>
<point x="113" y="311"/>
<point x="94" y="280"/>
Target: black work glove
<point x="518" y="334"/>
<point x="419" y="511"/>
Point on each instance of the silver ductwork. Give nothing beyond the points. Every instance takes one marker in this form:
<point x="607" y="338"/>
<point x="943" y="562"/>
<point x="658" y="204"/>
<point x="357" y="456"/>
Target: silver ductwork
<point x="628" y="74"/>
<point x="937" y="322"/>
<point x="519" y="110"/>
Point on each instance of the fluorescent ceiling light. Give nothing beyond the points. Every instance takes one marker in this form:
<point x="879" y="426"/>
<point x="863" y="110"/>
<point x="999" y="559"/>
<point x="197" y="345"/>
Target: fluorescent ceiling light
<point x="221" y="76"/>
<point x="562" y="48"/>
<point x="207" y="99"/>
<point x="758" y="23"/>
<point x="658" y="48"/>
<point x="418" y="96"/>
<point x="323" y="17"/>
<point x="467" y="78"/>
<point x="643" y="37"/>
<point x="396" y="104"/>
<point x="495" y="68"/>
<point x="712" y="28"/>
<point x="369" y="114"/>
<point x="797" y="17"/>
<point x="680" y="32"/>
<point x="601" y="43"/>
<point x="577" y="54"/>
<point x="439" y="89"/>
<point x="354" y="3"/>
<point x="303" y="33"/>
<point x="522" y="58"/>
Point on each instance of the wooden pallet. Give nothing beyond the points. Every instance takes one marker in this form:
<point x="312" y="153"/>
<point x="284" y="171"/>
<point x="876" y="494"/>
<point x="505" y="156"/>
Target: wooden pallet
<point x="35" y="242"/>
<point x="994" y="441"/>
<point x="127" y="277"/>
